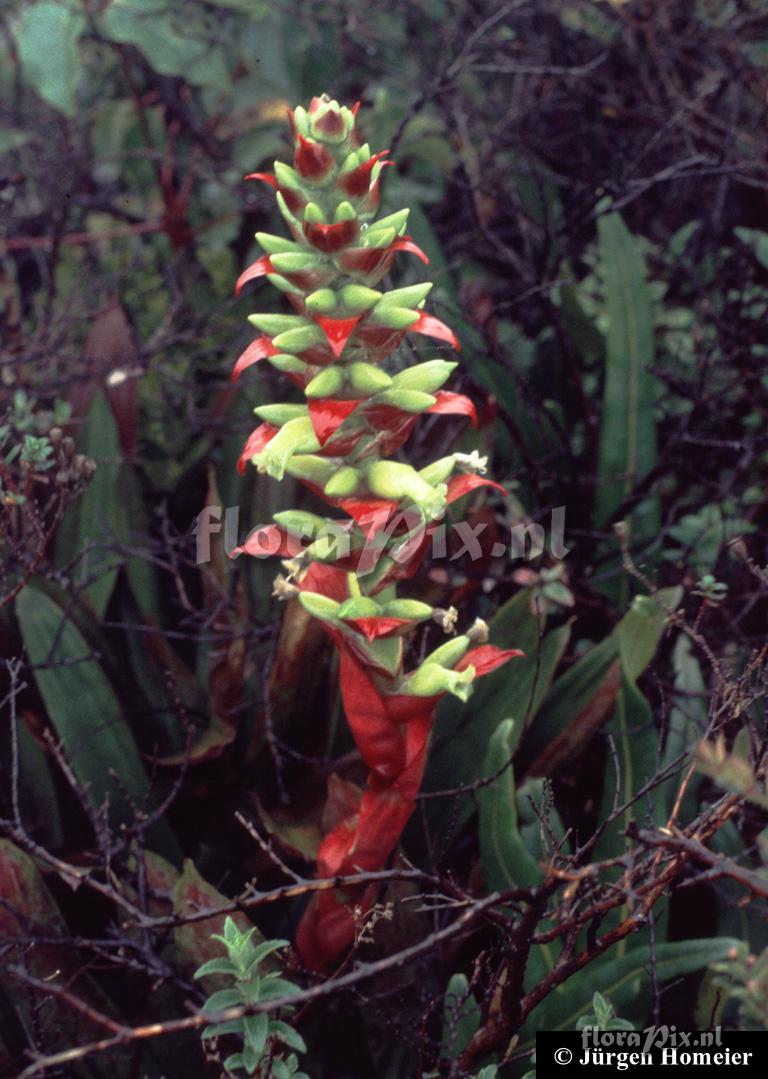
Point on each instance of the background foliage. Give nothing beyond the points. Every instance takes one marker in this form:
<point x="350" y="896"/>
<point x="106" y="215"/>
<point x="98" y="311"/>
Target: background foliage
<point x="589" y="180"/>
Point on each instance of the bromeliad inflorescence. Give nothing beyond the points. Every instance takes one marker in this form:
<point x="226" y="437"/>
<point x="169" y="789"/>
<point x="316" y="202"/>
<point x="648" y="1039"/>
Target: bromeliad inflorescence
<point x="338" y="442"/>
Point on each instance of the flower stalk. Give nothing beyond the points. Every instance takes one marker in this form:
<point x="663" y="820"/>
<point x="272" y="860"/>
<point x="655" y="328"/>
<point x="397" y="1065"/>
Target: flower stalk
<point x="339" y="443"/>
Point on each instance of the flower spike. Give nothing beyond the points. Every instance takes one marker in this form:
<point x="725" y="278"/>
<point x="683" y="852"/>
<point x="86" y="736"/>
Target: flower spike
<point x="338" y="442"/>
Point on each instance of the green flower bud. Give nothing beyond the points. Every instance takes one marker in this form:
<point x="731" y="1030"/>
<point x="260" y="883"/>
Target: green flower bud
<point x="387" y="652"/>
<point x="327" y="383"/>
<point x="358" y="298"/>
<point x="394" y="318"/>
<point x="449" y="654"/>
<point x="411" y="296"/>
<point x="295" y="261"/>
<point x="301" y="120"/>
<point x="288" y="216"/>
<point x="274" y="245"/>
<point x="406" y="400"/>
<point x="300" y="339"/>
<point x="311" y="469"/>
<point x="359" y="607"/>
<point x="274" y="324"/>
<point x="317" y="129"/>
<point x="332" y="543"/>
<point x="282" y="283"/>
<point x="344" y="482"/>
<point x="378" y="237"/>
<point x="300" y="523"/>
<point x="288" y="364"/>
<point x="412" y="609"/>
<point x="314" y="214"/>
<point x="396" y="221"/>
<point x="430" y="680"/>
<point x="438" y="471"/>
<point x="391" y="479"/>
<point x="351" y="161"/>
<point x="345" y="211"/>
<point x="367" y="378"/>
<point x="319" y="605"/>
<point x="320" y="301"/>
<point x="426" y="377"/>
<point x="296" y="436"/>
<point x="287" y="176"/>
<point x="278" y="414"/>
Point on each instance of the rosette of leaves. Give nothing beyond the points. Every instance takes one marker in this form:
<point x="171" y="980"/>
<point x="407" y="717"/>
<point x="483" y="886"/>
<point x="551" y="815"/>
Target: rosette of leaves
<point x="264" y="1038"/>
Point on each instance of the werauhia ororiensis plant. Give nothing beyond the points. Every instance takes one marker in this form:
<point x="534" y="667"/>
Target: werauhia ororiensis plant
<point x="339" y="442"/>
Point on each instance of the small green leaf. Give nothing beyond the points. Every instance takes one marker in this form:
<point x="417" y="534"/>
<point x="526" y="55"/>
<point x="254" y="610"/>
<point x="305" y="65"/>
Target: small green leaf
<point x="216" y="966"/>
<point x="255" y="1029"/>
<point x="47" y="36"/>
<point x="223" y="999"/>
<point x="287" y="1035"/>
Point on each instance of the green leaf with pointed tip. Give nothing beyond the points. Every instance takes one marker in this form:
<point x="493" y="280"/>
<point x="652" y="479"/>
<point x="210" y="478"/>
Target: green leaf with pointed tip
<point x="90" y="525"/>
<point x="85" y="712"/>
<point x="515" y="690"/>
<point x="505" y="858"/>
<point x="628" y="428"/>
<point x="47" y="36"/>
<point x="639" y="631"/>
<point x="624" y="979"/>
<point x="461" y="1016"/>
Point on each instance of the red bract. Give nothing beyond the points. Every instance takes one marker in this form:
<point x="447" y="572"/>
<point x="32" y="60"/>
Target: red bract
<point x="258" y="268"/>
<point x="257" y="440"/>
<point x="293" y="200"/>
<point x="257" y="350"/>
<point x="358" y="181"/>
<point x="327" y="415"/>
<point x="331" y="238"/>
<point x="338" y="331"/>
<point x="364" y="840"/>
<point x="374" y="262"/>
<point x="433" y="327"/>
<point x="312" y="159"/>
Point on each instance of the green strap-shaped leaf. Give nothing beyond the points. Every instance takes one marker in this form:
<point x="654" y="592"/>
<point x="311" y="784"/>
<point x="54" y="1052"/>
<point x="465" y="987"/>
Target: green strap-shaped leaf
<point x="463" y="730"/>
<point x="93" y="520"/>
<point x="461" y="1015"/>
<point x="84" y="711"/>
<point x="628" y="430"/>
<point x="624" y="979"/>
<point x="507" y="863"/>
